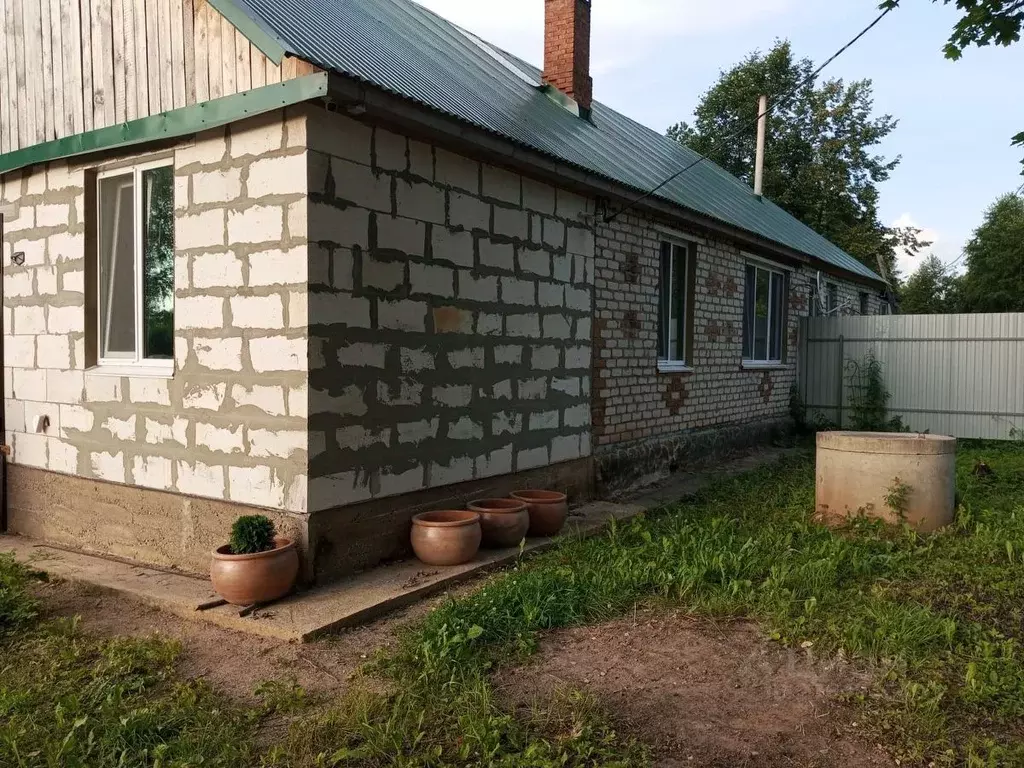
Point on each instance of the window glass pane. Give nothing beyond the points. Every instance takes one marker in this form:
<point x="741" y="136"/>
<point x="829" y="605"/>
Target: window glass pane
<point x="776" y="311"/>
<point x="761" y="301"/>
<point x="664" y="300"/>
<point x="863" y="303"/>
<point x="748" y="313"/>
<point x="117" y="267"/>
<point x="677" y="332"/>
<point x="833" y="297"/>
<point x="158" y="262"/>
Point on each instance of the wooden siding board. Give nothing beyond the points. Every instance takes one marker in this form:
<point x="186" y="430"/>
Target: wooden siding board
<point x="102" y="64"/>
<point x="273" y="72"/>
<point x="26" y="115"/>
<point x="7" y="101"/>
<point x="120" y="72"/>
<point x="85" y="20"/>
<point x="131" y="92"/>
<point x="257" y="67"/>
<point x="60" y="111"/>
<point x="153" y="55"/>
<point x="243" y="71"/>
<point x="6" y="26"/>
<point x="216" y="71"/>
<point x="71" y="39"/>
<point x="45" y="89"/>
<point x="33" y="47"/>
<point x="141" y="58"/>
<point x="188" y="38"/>
<point x="177" y="62"/>
<point x="227" y="42"/>
<point x="202" y="33"/>
<point x="166" y="44"/>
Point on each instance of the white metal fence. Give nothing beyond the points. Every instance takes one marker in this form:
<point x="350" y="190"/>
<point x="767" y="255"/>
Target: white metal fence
<point x="960" y="375"/>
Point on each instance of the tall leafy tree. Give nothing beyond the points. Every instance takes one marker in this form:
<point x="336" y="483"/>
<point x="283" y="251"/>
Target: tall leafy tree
<point x="981" y="23"/>
<point x="931" y="290"/>
<point x="995" y="260"/>
<point x="820" y="159"/>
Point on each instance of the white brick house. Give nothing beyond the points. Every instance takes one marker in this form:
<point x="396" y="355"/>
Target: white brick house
<point x="286" y="277"/>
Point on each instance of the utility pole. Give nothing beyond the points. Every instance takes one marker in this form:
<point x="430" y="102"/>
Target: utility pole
<point x="762" y="126"/>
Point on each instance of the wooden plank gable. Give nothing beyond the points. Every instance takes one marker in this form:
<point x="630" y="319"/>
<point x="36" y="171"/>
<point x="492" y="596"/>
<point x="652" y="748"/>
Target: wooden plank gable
<point x="71" y="66"/>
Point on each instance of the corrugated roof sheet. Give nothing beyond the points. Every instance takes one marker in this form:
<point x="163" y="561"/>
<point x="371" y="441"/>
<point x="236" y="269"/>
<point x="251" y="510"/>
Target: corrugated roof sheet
<point x="403" y="48"/>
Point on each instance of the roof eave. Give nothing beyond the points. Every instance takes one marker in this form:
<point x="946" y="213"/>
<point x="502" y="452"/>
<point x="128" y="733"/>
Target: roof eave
<point x="428" y="122"/>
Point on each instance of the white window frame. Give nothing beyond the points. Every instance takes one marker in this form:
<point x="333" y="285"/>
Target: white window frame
<point x="123" y="366"/>
<point x="766" y="266"/>
<point x="670" y="364"/>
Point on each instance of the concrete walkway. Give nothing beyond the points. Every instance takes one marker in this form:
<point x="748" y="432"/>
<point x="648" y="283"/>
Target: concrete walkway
<point x="356" y="600"/>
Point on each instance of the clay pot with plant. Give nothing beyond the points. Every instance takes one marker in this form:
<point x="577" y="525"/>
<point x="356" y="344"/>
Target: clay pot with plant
<point x="257" y="566"/>
<point x="446" y="537"/>
<point x="503" y="522"/>
<point x="548" y="511"/>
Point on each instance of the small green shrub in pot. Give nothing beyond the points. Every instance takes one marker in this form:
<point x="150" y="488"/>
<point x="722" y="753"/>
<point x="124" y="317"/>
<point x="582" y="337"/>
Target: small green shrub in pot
<point x="256" y="566"/>
<point x="251" y="534"/>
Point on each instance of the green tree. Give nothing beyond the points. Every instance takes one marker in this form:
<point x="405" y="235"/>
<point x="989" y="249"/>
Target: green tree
<point x="820" y="163"/>
<point x="982" y="22"/>
<point x="931" y="290"/>
<point x="995" y="260"/>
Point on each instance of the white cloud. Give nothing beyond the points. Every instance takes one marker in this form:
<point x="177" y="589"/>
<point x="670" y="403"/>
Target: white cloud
<point x="942" y="245"/>
<point x="623" y="30"/>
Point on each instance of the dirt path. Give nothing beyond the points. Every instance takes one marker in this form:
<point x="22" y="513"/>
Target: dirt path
<point x="233" y="662"/>
<point x="704" y="695"/>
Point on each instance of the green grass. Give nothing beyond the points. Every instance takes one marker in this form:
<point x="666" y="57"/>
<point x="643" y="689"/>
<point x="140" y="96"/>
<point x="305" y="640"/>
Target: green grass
<point x="75" y="701"/>
<point x="938" y="619"/>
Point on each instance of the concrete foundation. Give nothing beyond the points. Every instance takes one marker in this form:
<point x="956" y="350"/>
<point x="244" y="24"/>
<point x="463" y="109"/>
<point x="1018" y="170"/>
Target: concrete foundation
<point x="177" y="531"/>
<point x="640" y="463"/>
<point x="356" y="537"/>
<point x="893" y="476"/>
<point x="157" y="527"/>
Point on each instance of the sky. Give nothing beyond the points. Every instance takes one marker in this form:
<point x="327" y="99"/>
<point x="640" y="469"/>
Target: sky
<point x="652" y="59"/>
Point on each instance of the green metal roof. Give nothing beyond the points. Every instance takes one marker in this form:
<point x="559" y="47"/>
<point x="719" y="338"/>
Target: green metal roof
<point x="403" y="48"/>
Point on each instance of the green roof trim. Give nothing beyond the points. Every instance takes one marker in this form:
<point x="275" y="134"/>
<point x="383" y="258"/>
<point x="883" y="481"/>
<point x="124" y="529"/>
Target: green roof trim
<point x="172" y="124"/>
<point x="258" y="33"/>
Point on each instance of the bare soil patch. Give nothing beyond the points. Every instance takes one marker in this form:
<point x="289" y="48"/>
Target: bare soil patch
<point x="232" y="662"/>
<point x="704" y="695"/>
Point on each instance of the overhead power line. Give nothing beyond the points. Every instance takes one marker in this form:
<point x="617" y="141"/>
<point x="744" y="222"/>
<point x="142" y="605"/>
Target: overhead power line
<point x="747" y="126"/>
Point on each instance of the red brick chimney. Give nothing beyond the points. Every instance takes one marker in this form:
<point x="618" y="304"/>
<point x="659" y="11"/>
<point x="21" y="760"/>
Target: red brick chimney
<point x="567" y="49"/>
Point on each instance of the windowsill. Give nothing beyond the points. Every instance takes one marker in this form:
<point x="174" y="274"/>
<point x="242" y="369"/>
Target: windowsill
<point x="140" y="370"/>
<point x="764" y="365"/>
<point x="673" y="366"/>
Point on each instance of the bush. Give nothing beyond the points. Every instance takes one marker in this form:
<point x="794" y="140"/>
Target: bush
<point x="251" y="534"/>
<point x="869" y="401"/>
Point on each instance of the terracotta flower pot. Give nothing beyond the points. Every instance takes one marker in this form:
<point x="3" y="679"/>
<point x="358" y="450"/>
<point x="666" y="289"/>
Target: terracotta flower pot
<point x="257" y="578"/>
<point x="548" y="511"/>
<point x="504" y="522"/>
<point x="446" y="537"/>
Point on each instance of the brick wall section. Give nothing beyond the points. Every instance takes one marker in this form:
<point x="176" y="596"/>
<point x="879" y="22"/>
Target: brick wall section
<point x="449" y="316"/>
<point x="644" y="421"/>
<point x="230" y="423"/>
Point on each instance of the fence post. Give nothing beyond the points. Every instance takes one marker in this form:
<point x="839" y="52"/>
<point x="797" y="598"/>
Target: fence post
<point x="839" y="380"/>
<point x="801" y="370"/>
